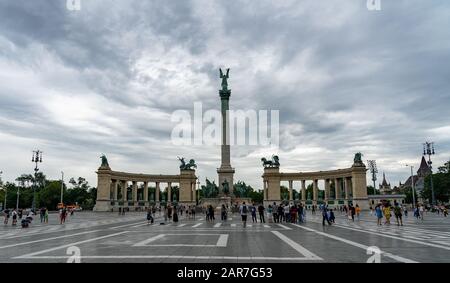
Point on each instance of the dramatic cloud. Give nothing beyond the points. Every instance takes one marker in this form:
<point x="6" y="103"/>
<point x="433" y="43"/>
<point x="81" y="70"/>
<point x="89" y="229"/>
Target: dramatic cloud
<point x="107" y="78"/>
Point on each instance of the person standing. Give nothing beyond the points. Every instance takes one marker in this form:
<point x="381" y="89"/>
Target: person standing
<point x="149" y="216"/>
<point x="287" y="214"/>
<point x="261" y="213"/>
<point x="270" y="214"/>
<point x="421" y="211"/>
<point x="275" y="212"/>
<point x="243" y="209"/>
<point x="175" y="214"/>
<point x="253" y="210"/>
<point x="379" y="214"/>
<point x="300" y="213"/>
<point x="62" y="215"/>
<point x="331" y="216"/>
<point x="41" y="214"/>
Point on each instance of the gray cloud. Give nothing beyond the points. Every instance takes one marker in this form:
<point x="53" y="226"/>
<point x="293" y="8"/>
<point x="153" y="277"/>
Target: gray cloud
<point x="107" y="78"/>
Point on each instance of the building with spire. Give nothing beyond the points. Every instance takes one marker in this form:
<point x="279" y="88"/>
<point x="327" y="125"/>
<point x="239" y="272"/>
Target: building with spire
<point x="419" y="179"/>
<point x="385" y="187"/>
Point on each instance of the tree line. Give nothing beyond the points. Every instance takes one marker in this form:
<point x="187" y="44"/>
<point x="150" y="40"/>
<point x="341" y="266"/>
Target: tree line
<point x="48" y="192"/>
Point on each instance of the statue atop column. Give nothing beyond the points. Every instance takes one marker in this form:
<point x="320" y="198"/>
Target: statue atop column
<point x="224" y="79"/>
<point x="274" y="163"/>
<point x="187" y="166"/>
<point x="357" y="161"/>
<point x="104" y="161"/>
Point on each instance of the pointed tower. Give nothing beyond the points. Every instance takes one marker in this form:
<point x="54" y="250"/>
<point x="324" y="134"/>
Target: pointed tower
<point x="424" y="169"/>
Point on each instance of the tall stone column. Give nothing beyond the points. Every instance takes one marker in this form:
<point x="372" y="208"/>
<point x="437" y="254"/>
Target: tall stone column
<point x="135" y="193"/>
<point x="290" y="190"/>
<point x="125" y="192"/>
<point x="157" y="193"/>
<point x="225" y="172"/>
<point x="304" y="191"/>
<point x="187" y="193"/>
<point x="338" y="190"/>
<point x="344" y="180"/>
<point x="115" y="186"/>
<point x="359" y="186"/>
<point x="272" y="175"/>
<point x="146" y="194"/>
<point x="327" y="190"/>
<point x="103" y="202"/>
<point x="315" y="192"/>
<point x="169" y="192"/>
<point x="194" y="193"/>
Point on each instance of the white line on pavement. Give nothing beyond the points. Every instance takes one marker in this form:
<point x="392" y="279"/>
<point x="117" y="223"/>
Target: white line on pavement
<point x="285" y="227"/>
<point x="152" y="239"/>
<point x="69" y="245"/>
<point x="233" y="258"/>
<point x="233" y="225"/>
<point x="120" y="226"/>
<point x="196" y="225"/>
<point x="47" y="239"/>
<point x="181" y="225"/>
<point x="218" y="225"/>
<point x="355" y="244"/>
<point x="296" y="246"/>
<point x="223" y="240"/>
<point x="393" y="237"/>
<point x="266" y="226"/>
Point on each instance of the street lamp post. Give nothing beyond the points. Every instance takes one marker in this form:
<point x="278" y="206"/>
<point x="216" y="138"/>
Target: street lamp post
<point x="412" y="186"/>
<point x="373" y="169"/>
<point x="198" y="189"/>
<point x="428" y="149"/>
<point x="62" y="186"/>
<point x="1" y="183"/>
<point x="36" y="158"/>
<point x="18" y="194"/>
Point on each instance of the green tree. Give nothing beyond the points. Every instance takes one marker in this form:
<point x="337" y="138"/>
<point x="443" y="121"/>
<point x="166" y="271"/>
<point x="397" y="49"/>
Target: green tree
<point x="50" y="195"/>
<point x="441" y="185"/>
<point x="370" y="190"/>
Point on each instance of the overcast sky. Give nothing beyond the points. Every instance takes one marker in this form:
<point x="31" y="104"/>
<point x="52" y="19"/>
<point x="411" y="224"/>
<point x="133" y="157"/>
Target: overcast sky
<point x="107" y="78"/>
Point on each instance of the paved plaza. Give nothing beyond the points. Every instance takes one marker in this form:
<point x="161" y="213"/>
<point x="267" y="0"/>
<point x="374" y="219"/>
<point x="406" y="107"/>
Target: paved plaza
<point x="107" y="237"/>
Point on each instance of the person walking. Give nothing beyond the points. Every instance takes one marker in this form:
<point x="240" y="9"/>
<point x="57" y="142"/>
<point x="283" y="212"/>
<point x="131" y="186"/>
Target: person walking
<point x="270" y="214"/>
<point x="223" y="213"/>
<point x="243" y="209"/>
<point x="331" y="216"/>
<point x="398" y="214"/>
<point x="357" y="211"/>
<point x="253" y="211"/>
<point x="387" y="214"/>
<point x="6" y="214"/>
<point x="421" y="211"/>
<point x="41" y="214"/>
<point x="120" y="210"/>
<point x="62" y="215"/>
<point x="149" y="217"/>
<point x="325" y="217"/>
<point x="14" y="217"/>
<point x="46" y="216"/>
<point x="175" y="214"/>
<point x="287" y="214"/>
<point x="261" y="210"/>
<point x="379" y="214"/>
<point x="280" y="213"/>
<point x="300" y="213"/>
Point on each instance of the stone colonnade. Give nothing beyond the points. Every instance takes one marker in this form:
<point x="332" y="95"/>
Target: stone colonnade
<point x="349" y="186"/>
<point x="120" y="189"/>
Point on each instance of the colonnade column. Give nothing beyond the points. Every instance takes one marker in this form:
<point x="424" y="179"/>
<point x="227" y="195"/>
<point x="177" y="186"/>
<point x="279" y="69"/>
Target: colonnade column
<point x="348" y="185"/>
<point x="134" y="189"/>
<point x="327" y="190"/>
<point x="157" y="193"/>
<point x="169" y="192"/>
<point x="124" y="192"/>
<point x="315" y="191"/>
<point x="146" y="193"/>
<point x="304" y="191"/>
<point x="344" y="180"/>
<point x="115" y="185"/>
<point x="290" y="190"/>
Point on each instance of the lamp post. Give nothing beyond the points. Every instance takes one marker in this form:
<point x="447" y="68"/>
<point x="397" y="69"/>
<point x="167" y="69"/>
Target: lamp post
<point x="18" y="194"/>
<point x="412" y="186"/>
<point x="36" y="158"/>
<point x="428" y="149"/>
<point x="62" y="186"/>
<point x="1" y="184"/>
<point x="373" y="169"/>
<point x="198" y="189"/>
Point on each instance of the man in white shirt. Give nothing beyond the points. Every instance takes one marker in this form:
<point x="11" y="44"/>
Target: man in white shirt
<point x="243" y="210"/>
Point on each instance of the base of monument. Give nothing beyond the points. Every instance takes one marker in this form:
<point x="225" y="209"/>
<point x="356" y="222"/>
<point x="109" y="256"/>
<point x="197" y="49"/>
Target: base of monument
<point x="102" y="205"/>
